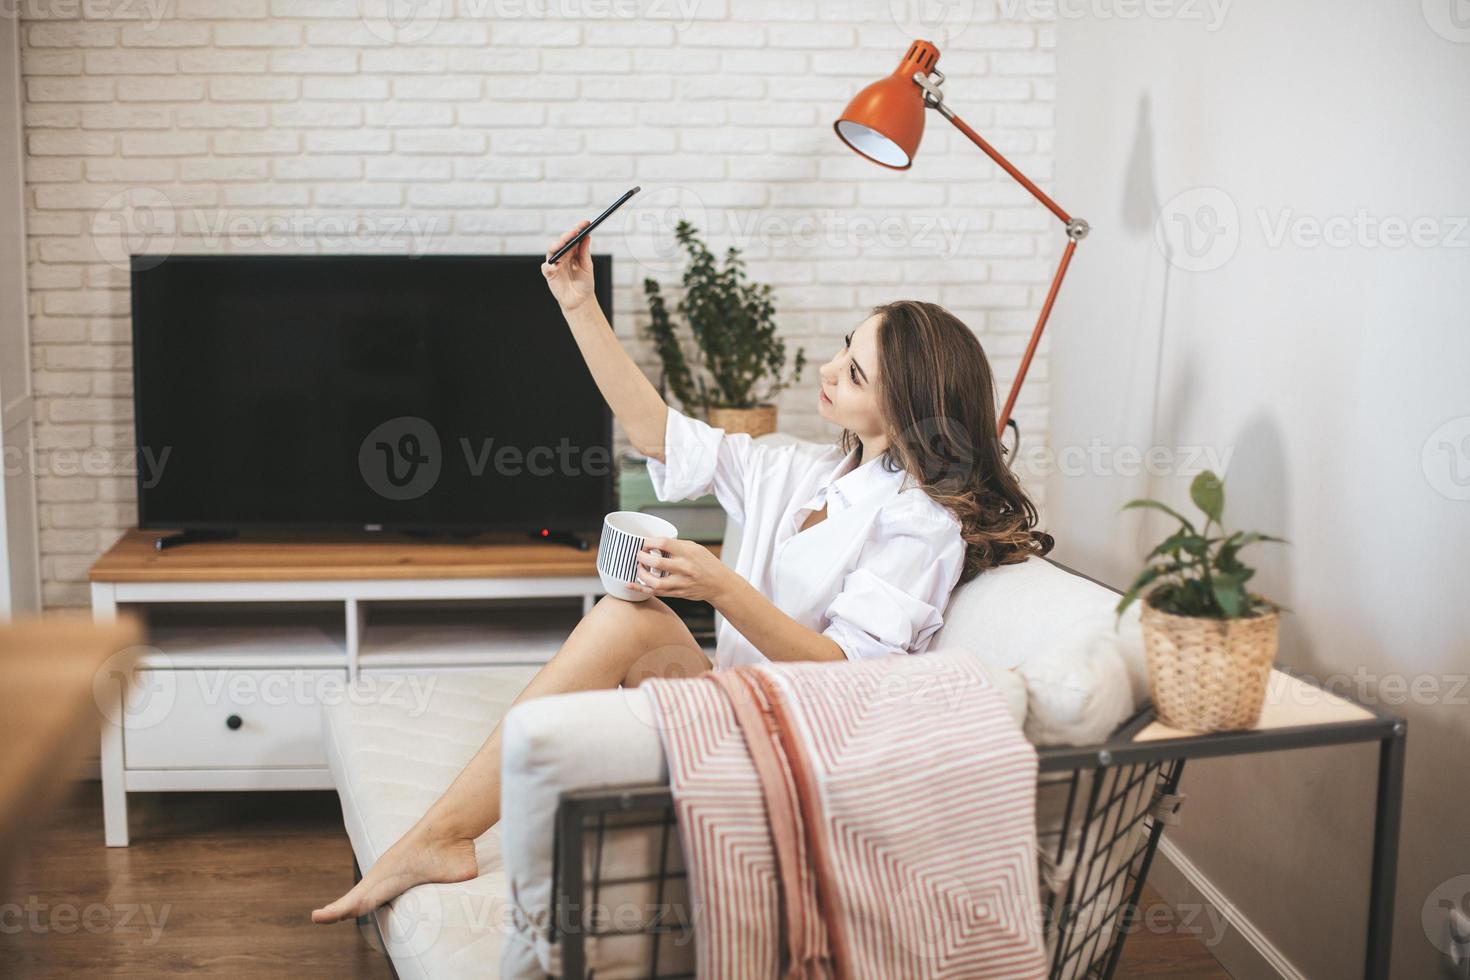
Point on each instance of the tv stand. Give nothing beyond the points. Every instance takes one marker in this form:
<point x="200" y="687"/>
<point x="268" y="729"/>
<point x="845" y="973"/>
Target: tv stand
<point x="192" y="536"/>
<point x="247" y="638"/>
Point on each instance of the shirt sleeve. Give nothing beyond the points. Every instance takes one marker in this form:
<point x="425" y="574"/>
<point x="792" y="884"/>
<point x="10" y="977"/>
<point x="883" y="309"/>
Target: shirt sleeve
<point x="698" y="459"/>
<point x="893" y="601"/>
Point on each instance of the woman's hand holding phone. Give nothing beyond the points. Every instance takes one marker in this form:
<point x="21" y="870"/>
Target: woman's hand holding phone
<point x="570" y="280"/>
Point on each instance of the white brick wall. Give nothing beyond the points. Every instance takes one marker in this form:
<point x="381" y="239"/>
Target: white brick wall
<point x="301" y="125"/>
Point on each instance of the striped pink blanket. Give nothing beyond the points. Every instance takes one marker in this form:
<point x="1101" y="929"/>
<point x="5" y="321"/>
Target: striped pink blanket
<point x="865" y="819"/>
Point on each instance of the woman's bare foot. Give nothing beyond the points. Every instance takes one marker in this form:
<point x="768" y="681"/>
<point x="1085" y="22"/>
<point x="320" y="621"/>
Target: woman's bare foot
<point x="414" y="860"/>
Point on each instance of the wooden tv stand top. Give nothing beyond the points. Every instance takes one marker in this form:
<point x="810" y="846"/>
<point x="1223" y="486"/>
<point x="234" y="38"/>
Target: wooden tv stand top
<point x="265" y="557"/>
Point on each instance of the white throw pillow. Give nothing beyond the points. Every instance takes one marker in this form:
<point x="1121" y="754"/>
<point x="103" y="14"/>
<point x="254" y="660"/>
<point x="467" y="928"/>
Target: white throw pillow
<point x="1056" y="630"/>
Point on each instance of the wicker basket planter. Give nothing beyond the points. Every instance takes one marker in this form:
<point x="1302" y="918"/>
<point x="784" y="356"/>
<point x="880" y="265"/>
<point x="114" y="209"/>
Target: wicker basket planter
<point x="1209" y="675"/>
<point x="756" y="421"/>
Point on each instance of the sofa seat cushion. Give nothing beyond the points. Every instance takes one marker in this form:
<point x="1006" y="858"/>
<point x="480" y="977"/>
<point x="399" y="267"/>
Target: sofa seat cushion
<point x="391" y="756"/>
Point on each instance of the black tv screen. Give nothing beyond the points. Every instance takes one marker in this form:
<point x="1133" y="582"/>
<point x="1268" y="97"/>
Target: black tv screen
<point x="380" y="392"/>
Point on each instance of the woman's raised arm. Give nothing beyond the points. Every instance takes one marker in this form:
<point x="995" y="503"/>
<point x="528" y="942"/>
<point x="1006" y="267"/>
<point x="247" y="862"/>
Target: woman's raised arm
<point x="629" y="394"/>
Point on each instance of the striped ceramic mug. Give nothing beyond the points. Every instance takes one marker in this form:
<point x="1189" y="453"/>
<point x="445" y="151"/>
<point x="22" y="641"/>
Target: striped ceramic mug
<point x="623" y="534"/>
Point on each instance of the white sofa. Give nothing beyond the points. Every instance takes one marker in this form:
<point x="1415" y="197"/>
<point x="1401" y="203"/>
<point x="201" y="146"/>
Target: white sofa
<point x="1049" y="636"/>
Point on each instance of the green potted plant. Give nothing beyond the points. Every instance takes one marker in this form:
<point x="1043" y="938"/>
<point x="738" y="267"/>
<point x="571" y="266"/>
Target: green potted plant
<point x="1209" y="641"/>
<point x="735" y="366"/>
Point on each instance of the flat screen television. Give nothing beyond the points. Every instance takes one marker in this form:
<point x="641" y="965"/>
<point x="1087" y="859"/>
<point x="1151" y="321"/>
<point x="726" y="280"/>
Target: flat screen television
<point x="429" y="393"/>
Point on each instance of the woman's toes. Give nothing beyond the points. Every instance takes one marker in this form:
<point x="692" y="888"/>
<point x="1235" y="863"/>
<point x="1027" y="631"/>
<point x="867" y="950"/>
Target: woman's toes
<point x="336" y="911"/>
<point x="406" y="864"/>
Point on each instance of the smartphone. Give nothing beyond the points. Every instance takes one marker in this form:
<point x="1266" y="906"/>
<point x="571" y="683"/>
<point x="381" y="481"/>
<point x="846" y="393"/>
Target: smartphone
<point x="556" y="257"/>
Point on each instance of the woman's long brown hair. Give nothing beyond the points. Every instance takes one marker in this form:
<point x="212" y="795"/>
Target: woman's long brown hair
<point x="937" y="398"/>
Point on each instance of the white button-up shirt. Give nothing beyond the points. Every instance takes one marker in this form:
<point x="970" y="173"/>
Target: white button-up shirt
<point x="874" y="575"/>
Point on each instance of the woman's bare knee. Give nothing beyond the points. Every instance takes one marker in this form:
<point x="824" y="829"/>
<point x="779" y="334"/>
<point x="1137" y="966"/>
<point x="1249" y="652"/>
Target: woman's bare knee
<point x="650" y="615"/>
<point x="667" y="660"/>
<point x="662" y="645"/>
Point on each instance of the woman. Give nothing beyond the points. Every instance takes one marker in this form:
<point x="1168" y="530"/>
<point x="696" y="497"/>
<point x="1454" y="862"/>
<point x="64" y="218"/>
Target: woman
<point x="847" y="551"/>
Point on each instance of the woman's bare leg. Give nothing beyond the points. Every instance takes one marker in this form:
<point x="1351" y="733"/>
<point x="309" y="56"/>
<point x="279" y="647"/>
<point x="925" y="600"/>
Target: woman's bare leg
<point x="617" y="643"/>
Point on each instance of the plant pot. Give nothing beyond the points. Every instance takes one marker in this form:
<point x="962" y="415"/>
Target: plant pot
<point x="1208" y="675"/>
<point x="757" y="421"/>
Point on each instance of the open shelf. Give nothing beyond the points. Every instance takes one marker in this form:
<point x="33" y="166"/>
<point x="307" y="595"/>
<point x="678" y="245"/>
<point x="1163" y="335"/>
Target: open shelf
<point x="409" y="634"/>
<point x="396" y="634"/>
<point x="244" y="635"/>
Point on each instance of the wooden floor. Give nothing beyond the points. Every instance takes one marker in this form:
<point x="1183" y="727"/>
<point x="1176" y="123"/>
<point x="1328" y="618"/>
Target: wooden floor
<point x="222" y="884"/>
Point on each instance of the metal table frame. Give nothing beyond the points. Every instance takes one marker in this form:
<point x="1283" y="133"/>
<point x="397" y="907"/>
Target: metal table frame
<point x="1387" y="729"/>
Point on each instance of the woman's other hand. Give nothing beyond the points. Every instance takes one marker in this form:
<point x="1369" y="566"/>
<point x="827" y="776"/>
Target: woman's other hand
<point x="570" y="279"/>
<point x="685" y="570"/>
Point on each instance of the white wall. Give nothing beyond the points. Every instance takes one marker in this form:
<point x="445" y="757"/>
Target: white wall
<point x="1334" y="379"/>
<point x="224" y="125"/>
<point x="20" y="583"/>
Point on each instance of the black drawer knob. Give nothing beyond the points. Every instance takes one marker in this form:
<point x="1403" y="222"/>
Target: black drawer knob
<point x="233" y="722"/>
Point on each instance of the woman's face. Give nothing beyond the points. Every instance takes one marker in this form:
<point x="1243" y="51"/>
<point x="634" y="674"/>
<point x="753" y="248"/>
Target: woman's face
<point x="849" y="393"/>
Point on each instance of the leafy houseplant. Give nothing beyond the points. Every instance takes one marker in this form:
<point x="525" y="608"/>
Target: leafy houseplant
<point x="1210" y="642"/>
<point x="735" y="348"/>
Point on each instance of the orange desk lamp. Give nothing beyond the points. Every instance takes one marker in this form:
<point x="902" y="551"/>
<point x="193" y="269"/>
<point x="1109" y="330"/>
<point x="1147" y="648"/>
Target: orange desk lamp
<point x="885" y="122"/>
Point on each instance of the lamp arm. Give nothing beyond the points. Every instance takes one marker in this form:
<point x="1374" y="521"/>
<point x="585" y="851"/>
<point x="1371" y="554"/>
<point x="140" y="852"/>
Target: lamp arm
<point x="1051" y="298"/>
<point x="1005" y="164"/>
<point x="1077" y="230"/>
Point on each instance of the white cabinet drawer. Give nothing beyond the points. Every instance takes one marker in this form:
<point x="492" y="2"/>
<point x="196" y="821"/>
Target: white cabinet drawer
<point x="217" y="718"/>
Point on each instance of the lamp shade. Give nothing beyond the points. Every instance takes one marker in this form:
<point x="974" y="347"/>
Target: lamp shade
<point x="885" y="121"/>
